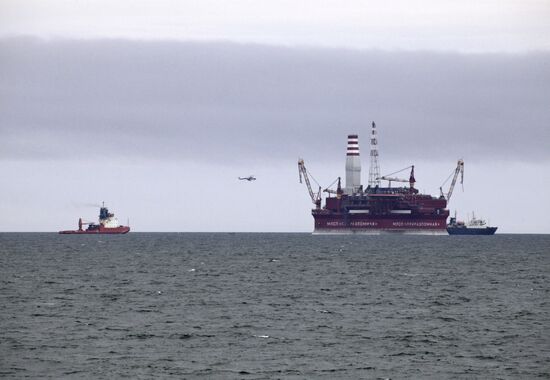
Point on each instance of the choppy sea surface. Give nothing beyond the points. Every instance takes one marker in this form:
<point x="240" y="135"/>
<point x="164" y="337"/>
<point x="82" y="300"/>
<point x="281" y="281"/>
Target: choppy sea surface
<point x="268" y="306"/>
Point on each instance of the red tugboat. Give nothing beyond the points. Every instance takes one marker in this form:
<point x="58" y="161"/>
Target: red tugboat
<point x="108" y="224"/>
<point x="377" y="209"/>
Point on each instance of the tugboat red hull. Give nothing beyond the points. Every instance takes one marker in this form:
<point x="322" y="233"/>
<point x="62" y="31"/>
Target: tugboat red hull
<point x="97" y="231"/>
<point x="108" y="225"/>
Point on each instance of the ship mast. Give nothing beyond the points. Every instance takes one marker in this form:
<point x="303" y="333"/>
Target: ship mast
<point x="374" y="170"/>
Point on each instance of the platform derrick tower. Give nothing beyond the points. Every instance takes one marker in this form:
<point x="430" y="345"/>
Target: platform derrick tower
<point x="374" y="170"/>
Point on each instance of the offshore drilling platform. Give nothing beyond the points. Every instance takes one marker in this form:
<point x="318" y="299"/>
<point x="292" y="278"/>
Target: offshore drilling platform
<point x="377" y="209"/>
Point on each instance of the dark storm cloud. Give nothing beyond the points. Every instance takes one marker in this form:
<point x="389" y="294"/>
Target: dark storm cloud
<point x="224" y="102"/>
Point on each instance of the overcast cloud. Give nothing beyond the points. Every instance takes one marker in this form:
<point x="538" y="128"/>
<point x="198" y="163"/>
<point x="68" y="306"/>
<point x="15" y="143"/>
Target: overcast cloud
<point x="226" y="102"/>
<point x="441" y="25"/>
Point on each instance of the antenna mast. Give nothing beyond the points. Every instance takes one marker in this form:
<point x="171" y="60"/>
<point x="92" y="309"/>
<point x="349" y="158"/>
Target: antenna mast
<point x="374" y="170"/>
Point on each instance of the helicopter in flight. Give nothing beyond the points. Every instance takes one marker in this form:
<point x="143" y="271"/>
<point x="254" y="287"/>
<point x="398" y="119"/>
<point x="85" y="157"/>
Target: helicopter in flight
<point x="249" y="178"/>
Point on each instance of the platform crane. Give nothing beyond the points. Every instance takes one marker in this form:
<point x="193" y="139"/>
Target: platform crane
<point x="390" y="179"/>
<point x="302" y="171"/>
<point x="338" y="190"/>
<point x="459" y="170"/>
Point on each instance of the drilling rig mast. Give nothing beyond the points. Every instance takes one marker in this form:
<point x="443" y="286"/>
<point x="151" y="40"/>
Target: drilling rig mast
<point x="374" y="170"/>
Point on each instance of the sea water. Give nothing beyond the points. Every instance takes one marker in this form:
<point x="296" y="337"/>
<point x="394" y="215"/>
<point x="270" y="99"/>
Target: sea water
<point x="268" y="306"/>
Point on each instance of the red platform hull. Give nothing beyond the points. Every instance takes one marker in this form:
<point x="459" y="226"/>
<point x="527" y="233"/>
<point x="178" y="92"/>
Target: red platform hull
<point x="350" y="223"/>
<point x="98" y="231"/>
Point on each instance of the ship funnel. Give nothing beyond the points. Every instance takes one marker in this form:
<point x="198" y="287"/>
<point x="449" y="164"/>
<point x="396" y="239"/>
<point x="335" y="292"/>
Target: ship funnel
<point x="353" y="166"/>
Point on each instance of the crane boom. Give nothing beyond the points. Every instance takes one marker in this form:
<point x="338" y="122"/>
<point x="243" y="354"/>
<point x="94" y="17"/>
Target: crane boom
<point x="393" y="179"/>
<point x="390" y="179"/>
<point x="459" y="170"/>
<point x="302" y="171"/>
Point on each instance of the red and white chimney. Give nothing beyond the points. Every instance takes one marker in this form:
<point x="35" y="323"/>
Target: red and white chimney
<point x="353" y="165"/>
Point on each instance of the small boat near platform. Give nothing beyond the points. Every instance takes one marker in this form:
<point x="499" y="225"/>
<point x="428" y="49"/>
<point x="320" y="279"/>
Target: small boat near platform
<point x="474" y="226"/>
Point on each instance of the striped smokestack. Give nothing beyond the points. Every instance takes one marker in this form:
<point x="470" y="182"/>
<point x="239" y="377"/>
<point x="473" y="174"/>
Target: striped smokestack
<point x="353" y="165"/>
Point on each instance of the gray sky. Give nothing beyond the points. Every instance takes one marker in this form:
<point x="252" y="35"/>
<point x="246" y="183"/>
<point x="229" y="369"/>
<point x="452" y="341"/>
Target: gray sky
<point x="159" y="111"/>
<point x="467" y="25"/>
